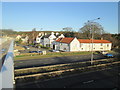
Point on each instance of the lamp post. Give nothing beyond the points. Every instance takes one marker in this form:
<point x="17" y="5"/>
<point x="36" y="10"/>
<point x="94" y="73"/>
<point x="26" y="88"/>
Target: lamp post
<point x="92" y="32"/>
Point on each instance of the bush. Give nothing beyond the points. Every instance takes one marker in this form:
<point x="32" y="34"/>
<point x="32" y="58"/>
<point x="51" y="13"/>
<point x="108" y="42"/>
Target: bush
<point x="45" y="47"/>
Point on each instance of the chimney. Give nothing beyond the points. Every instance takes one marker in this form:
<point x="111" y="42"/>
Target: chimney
<point x="39" y="34"/>
<point x="57" y="33"/>
<point x="45" y="33"/>
<point x="52" y="33"/>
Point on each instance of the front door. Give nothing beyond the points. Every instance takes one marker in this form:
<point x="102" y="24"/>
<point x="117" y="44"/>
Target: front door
<point x="54" y="47"/>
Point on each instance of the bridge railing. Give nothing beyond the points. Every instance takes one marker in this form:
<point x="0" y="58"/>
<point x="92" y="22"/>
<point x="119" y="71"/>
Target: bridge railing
<point x="7" y="70"/>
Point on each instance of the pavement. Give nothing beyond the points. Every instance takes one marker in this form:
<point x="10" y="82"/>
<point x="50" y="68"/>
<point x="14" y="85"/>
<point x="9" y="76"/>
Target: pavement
<point x="99" y="79"/>
<point x="54" y="60"/>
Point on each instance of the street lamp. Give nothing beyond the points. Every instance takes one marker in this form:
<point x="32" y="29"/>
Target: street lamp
<point x="92" y="32"/>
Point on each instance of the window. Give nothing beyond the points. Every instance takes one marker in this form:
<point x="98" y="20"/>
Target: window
<point x="81" y="44"/>
<point x="101" y="44"/>
<point x="107" y="45"/>
<point x="65" y="49"/>
<point x="37" y="39"/>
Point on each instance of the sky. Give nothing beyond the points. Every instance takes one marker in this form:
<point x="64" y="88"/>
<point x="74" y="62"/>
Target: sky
<point x="53" y="16"/>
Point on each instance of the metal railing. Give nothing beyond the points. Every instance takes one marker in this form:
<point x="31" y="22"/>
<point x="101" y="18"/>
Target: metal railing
<point x="7" y="70"/>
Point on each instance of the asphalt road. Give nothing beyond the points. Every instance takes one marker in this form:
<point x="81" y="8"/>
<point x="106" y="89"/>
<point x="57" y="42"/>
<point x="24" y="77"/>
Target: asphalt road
<point x="54" y="60"/>
<point x="99" y="79"/>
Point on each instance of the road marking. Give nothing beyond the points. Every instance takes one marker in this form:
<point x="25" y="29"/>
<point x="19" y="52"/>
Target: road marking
<point x="88" y="81"/>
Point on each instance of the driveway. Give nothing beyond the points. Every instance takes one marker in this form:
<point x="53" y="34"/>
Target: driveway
<point x="32" y="49"/>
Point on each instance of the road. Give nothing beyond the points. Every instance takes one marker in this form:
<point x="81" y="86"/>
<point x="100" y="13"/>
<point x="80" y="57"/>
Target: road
<point x="54" y="60"/>
<point x="99" y="79"/>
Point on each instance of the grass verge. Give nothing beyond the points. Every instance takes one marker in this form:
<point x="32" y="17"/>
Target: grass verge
<point x="50" y="54"/>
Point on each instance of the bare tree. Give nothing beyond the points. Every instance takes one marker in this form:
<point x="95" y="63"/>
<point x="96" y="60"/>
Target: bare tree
<point x="34" y="29"/>
<point x="92" y="27"/>
<point x="68" y="29"/>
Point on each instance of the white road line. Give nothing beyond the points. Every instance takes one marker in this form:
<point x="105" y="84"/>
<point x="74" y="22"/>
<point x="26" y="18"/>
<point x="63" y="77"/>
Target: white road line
<point x="88" y="81"/>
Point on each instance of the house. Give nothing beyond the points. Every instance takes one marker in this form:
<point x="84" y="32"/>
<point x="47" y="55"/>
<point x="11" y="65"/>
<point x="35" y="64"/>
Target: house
<point x="24" y="39"/>
<point x="97" y="45"/>
<point x="67" y="44"/>
<point x="38" y="38"/>
<point x="74" y="44"/>
<point x="18" y="37"/>
<point x="57" y="37"/>
<point x="49" y="39"/>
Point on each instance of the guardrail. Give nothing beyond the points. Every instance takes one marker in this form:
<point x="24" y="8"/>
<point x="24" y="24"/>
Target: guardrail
<point x="7" y="70"/>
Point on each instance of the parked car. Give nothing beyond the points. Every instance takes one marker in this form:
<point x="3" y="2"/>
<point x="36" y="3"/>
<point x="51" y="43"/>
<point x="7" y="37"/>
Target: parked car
<point x="26" y="47"/>
<point x="104" y="52"/>
<point x="3" y="50"/>
<point x="29" y="45"/>
<point x="109" y="55"/>
<point x="39" y="51"/>
<point x="55" y="51"/>
<point x="35" y="52"/>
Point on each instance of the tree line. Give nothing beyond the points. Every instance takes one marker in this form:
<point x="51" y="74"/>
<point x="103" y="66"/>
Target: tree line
<point x="88" y="30"/>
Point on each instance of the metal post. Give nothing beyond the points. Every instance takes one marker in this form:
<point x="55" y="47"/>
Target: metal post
<point x="92" y="47"/>
<point x="92" y="32"/>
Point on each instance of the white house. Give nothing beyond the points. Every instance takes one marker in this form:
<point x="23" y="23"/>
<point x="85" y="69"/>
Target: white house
<point x="67" y="44"/>
<point x="49" y="40"/>
<point x="25" y="39"/>
<point x="97" y="45"/>
<point x="18" y="37"/>
<point x="38" y="38"/>
<point x="74" y="44"/>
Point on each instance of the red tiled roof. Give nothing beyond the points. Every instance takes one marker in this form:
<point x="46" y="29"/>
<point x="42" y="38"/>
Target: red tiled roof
<point x="64" y="40"/>
<point x="58" y="40"/>
<point x="94" y="41"/>
<point x="68" y="40"/>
